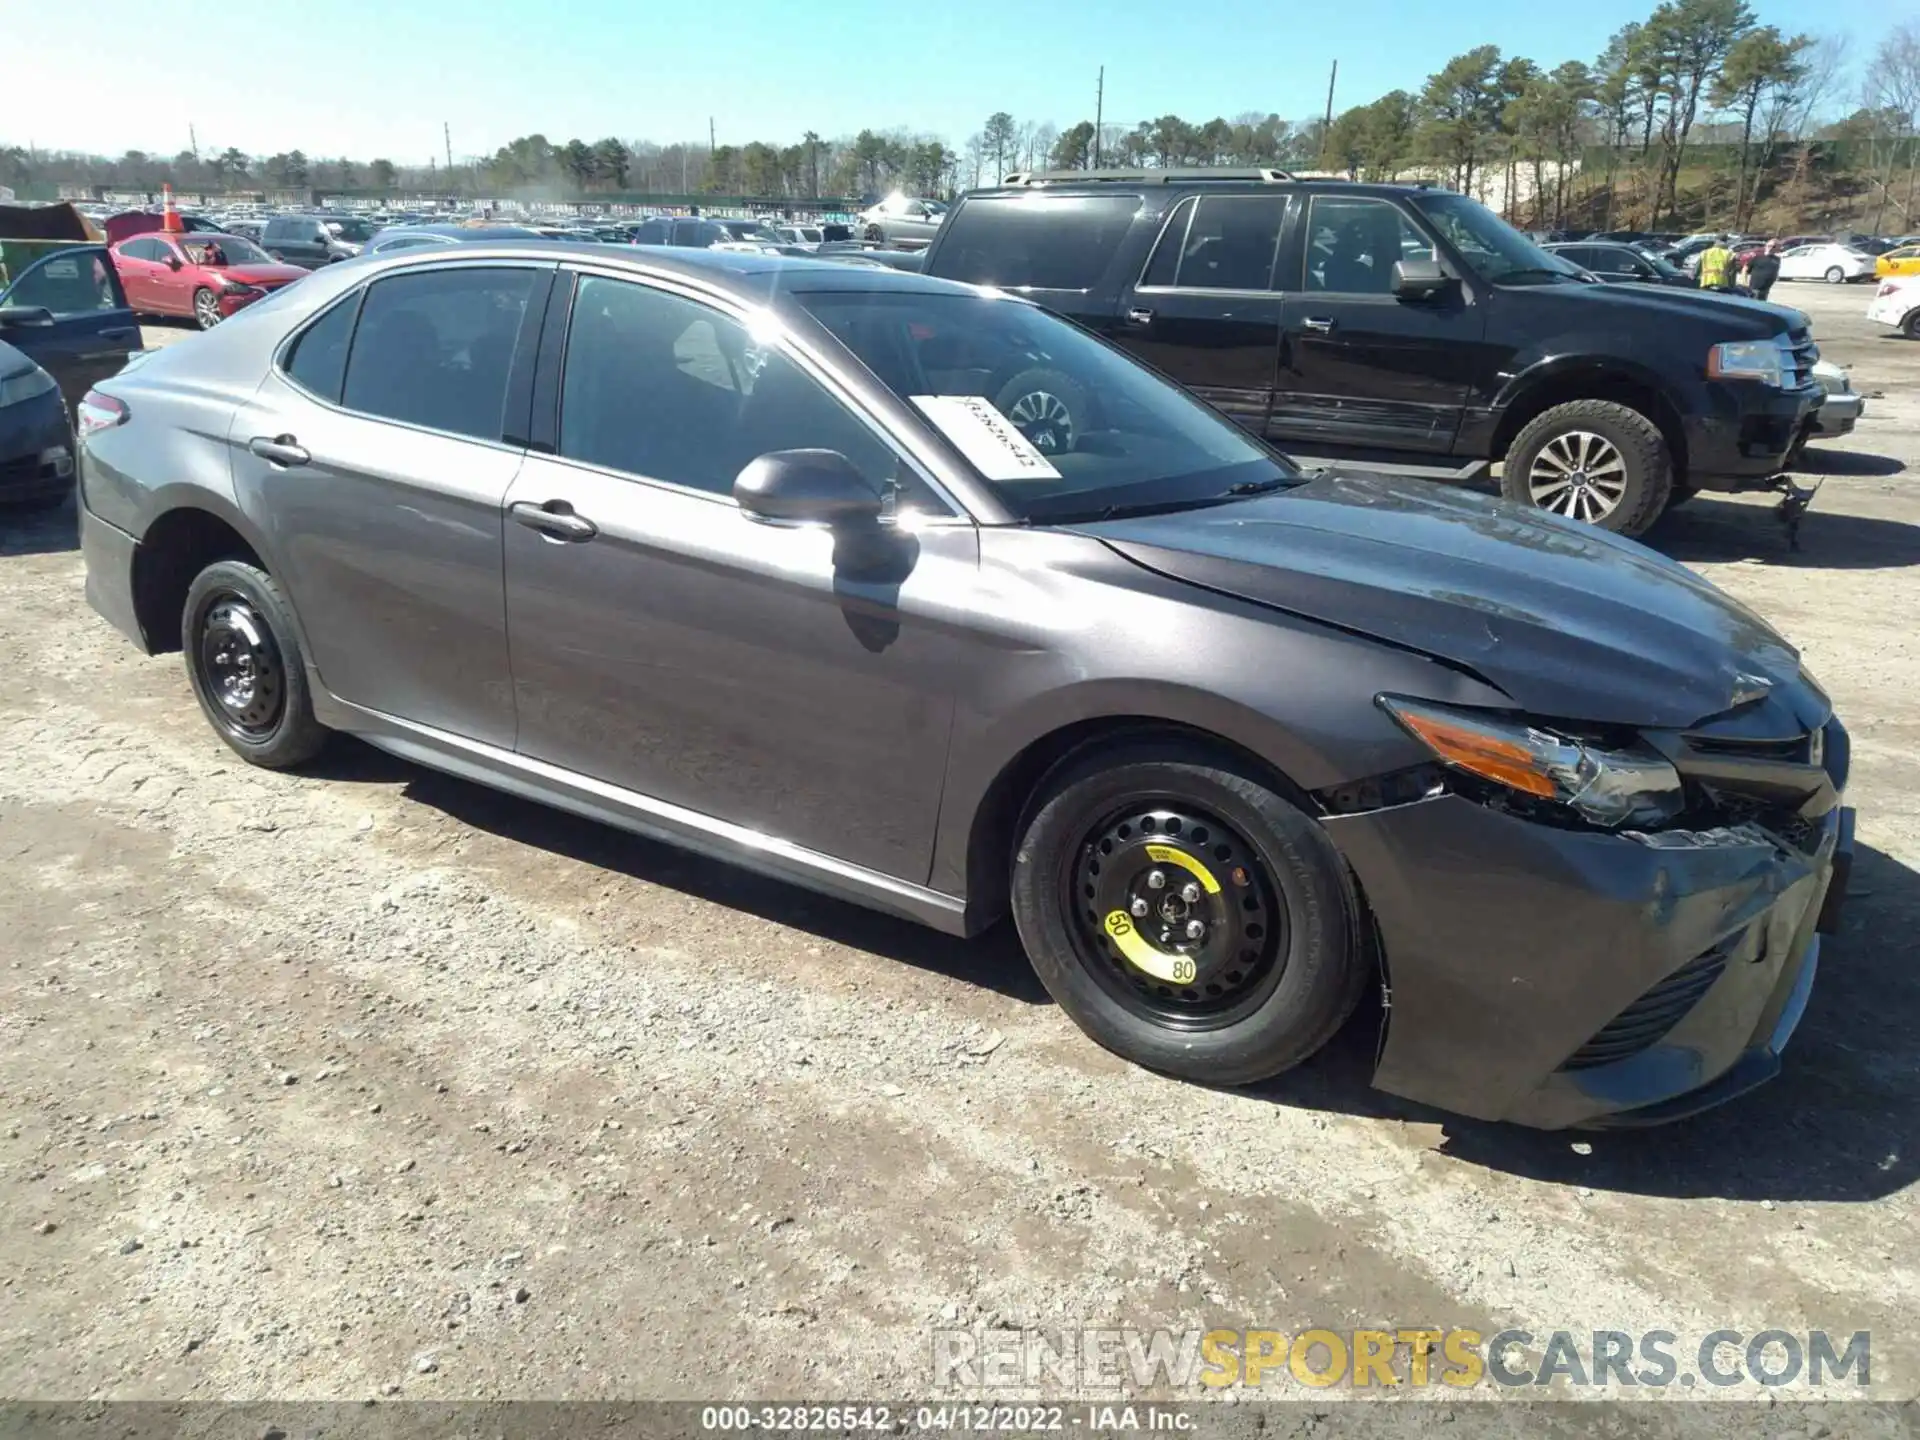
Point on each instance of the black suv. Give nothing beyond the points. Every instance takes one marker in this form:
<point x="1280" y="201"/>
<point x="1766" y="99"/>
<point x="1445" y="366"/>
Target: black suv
<point x="311" y="241"/>
<point x="1404" y="326"/>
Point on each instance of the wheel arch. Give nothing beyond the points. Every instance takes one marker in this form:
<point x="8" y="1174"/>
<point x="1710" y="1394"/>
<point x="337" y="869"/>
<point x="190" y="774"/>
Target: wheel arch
<point x="993" y="822"/>
<point x="177" y="544"/>
<point x="1540" y="390"/>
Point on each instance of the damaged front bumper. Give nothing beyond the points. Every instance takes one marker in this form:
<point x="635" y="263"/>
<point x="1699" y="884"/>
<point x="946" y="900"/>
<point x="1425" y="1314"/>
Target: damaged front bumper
<point x="1558" y="977"/>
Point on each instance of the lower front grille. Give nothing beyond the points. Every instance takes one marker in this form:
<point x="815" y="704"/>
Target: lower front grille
<point x="1647" y="1020"/>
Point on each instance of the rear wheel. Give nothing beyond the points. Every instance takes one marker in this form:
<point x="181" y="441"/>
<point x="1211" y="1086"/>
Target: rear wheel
<point x="1186" y="915"/>
<point x="1836" y="276"/>
<point x="1051" y="409"/>
<point x="1592" y="460"/>
<point x="875" y="235"/>
<point x="206" y="309"/>
<point x="1910" y="327"/>
<point x="243" y="658"/>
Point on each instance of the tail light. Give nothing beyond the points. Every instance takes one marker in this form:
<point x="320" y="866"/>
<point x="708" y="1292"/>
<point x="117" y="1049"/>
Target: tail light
<point x="97" y="412"/>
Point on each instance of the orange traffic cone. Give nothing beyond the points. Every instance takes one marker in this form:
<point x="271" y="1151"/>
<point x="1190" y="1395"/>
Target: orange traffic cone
<point x="169" y="217"/>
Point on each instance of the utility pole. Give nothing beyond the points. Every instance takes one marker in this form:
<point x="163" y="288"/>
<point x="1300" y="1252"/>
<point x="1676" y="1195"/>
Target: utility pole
<point x="193" y="142"/>
<point x="446" y="139"/>
<point x="1329" y="121"/>
<point x="1099" y="113"/>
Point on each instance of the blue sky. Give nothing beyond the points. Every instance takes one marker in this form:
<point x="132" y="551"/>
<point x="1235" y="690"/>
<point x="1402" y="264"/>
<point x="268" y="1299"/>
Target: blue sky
<point x="371" y="78"/>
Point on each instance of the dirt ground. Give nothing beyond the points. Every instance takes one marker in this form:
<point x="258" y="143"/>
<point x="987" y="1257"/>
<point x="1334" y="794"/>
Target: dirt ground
<point x="371" y="1082"/>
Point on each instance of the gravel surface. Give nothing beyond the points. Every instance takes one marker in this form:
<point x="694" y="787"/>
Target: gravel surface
<point x="368" y="1081"/>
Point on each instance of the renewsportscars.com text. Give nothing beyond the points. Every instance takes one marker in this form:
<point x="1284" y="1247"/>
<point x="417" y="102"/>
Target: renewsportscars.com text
<point x="1413" y="1356"/>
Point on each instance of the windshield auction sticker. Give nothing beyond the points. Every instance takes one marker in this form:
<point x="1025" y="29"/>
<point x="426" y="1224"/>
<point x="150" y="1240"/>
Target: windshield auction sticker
<point x="986" y="437"/>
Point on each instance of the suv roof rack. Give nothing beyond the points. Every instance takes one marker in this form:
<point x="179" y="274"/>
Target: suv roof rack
<point x="1170" y="176"/>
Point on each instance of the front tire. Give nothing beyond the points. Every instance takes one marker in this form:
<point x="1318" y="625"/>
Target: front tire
<point x="875" y="235"/>
<point x="206" y="308"/>
<point x="244" y="662"/>
<point x="1186" y="915"/>
<point x="1591" y="460"/>
<point x="1910" y="327"/>
<point x="1836" y="276"/>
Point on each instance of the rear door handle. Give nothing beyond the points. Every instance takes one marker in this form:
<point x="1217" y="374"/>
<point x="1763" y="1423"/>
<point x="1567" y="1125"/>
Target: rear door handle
<point x="555" y="519"/>
<point x="1140" y="317"/>
<point x="280" y="450"/>
<point x="1318" y="324"/>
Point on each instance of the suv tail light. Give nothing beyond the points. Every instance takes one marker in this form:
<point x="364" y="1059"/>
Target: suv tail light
<point x="98" y="412"/>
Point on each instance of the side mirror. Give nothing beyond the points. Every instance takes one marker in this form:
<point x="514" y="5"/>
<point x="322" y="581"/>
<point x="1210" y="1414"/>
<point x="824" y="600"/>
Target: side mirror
<point x="1418" y="279"/>
<point x="12" y="316"/>
<point x="818" y="487"/>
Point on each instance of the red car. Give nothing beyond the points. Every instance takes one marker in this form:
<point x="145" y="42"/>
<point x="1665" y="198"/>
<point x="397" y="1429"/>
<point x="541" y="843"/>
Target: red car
<point x="203" y="275"/>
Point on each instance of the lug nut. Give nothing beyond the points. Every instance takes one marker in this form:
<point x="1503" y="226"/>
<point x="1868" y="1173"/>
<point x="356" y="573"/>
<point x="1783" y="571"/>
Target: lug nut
<point x="1156" y="880"/>
<point x="1190" y="892"/>
<point x="1196" y="929"/>
<point x="1139" y="908"/>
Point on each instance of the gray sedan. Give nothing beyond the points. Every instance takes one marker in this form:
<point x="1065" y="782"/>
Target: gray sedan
<point x="797" y="564"/>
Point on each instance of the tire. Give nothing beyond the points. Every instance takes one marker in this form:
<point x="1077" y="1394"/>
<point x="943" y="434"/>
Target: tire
<point x="1051" y="409"/>
<point x="875" y="235"/>
<point x="1632" y="477"/>
<point x="1835" y="275"/>
<point x="206" y="308"/>
<point x="1276" y="974"/>
<point x="1910" y="327"/>
<point x="239" y="640"/>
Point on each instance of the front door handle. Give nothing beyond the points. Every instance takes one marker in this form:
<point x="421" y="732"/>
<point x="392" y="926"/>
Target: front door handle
<point x="125" y="333"/>
<point x="280" y="450"/>
<point x="555" y="519"/>
<point x="1318" y="324"/>
<point x="1140" y="317"/>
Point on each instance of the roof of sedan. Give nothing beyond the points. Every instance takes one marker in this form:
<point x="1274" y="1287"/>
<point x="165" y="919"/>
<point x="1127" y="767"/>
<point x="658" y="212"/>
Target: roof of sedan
<point x="752" y="274"/>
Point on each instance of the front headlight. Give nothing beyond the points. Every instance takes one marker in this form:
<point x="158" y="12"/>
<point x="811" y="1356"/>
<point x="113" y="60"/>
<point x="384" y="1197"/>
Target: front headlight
<point x="28" y="386"/>
<point x="1604" y="786"/>
<point x="1762" y="360"/>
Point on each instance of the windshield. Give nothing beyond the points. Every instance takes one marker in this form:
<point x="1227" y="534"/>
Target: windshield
<point x="225" y="250"/>
<point x="1496" y="251"/>
<point x="352" y="230"/>
<point x="1109" y="435"/>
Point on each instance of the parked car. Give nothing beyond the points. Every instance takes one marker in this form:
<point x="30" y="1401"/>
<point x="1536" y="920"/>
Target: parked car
<point x="1896" y="302"/>
<point x="1841" y="410"/>
<point x="808" y="236"/>
<point x="1618" y="264"/>
<point x="68" y="313"/>
<point x="1397" y="325"/>
<point x="1223" y="737"/>
<point x="901" y="221"/>
<point x="1835" y="264"/>
<point x="689" y="232"/>
<point x="311" y="241"/>
<point x="204" y="277"/>
<point x="36" y="449"/>
<point x="1905" y="260"/>
<point x="413" y="237"/>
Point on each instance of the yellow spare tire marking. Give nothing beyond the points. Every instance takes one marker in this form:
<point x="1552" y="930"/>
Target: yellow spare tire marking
<point x="1174" y="969"/>
<point x="1167" y="855"/>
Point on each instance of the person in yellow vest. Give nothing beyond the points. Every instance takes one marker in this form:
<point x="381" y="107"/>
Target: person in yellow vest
<point x="1716" y="265"/>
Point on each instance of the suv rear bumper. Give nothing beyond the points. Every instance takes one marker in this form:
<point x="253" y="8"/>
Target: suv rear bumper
<point x="1740" y="437"/>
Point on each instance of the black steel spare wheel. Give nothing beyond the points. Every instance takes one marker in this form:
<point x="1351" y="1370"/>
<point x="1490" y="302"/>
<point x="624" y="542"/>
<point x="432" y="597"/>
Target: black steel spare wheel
<point x="1178" y="916"/>
<point x="242" y="666"/>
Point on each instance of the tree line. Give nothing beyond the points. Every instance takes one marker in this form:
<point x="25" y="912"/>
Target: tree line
<point x="1692" y="72"/>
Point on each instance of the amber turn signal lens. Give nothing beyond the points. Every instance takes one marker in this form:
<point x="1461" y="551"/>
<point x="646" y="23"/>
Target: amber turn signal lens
<point x="1482" y="752"/>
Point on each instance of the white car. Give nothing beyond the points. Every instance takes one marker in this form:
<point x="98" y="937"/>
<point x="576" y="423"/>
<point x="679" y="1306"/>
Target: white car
<point x="1897" y="303"/>
<point x="1835" y="264"/>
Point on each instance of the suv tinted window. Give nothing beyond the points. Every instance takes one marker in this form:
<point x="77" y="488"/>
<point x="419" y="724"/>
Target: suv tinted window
<point x="650" y="232"/>
<point x="434" y="349"/>
<point x="1220" y="242"/>
<point x="666" y="388"/>
<point x="1039" y="241"/>
<point x="318" y="360"/>
<point x="1354" y="242"/>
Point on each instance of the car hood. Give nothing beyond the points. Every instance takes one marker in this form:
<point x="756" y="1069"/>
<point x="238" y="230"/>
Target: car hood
<point x="15" y="362"/>
<point x="262" y="274"/>
<point x="1573" y="623"/>
<point x="1734" y="315"/>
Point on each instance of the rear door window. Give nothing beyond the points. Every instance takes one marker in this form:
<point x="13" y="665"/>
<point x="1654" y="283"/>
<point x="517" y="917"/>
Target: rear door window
<point x="1035" y="242"/>
<point x="69" y="282"/>
<point x="1219" y="242"/>
<point x="317" y="363"/>
<point x="435" y="348"/>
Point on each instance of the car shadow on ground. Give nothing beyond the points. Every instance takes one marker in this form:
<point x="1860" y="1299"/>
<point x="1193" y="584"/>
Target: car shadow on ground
<point x="1841" y="1123"/>
<point x="39" y="530"/>
<point x="993" y="961"/>
<point x="1708" y="529"/>
<point x="1848" y="462"/>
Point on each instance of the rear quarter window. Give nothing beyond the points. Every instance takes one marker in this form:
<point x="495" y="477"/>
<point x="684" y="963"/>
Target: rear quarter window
<point x="1035" y="242"/>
